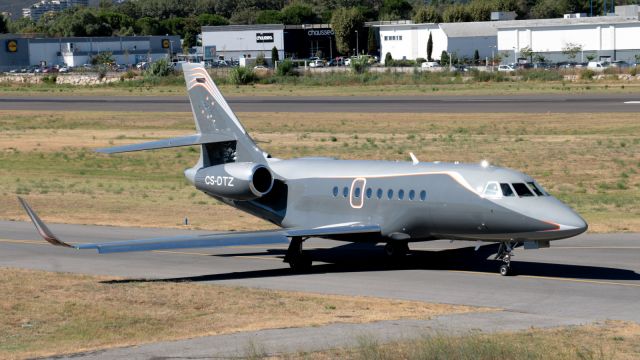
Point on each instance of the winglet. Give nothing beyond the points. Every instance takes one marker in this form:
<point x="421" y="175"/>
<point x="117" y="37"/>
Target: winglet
<point x="414" y="159"/>
<point x="42" y="228"/>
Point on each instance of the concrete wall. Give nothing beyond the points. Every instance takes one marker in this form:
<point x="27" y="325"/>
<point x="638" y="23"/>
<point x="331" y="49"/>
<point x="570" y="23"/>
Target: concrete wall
<point x="414" y="41"/>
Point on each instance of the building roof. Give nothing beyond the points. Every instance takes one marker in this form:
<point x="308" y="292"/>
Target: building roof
<point x="490" y="28"/>
<point x="243" y="27"/>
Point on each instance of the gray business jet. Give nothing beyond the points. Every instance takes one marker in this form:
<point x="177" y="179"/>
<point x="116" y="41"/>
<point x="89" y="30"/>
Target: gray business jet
<point x="350" y="200"/>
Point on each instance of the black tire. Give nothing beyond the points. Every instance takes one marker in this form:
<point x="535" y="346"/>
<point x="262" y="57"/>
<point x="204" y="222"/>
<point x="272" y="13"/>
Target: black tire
<point x="396" y="249"/>
<point x="505" y="270"/>
<point x="301" y="263"/>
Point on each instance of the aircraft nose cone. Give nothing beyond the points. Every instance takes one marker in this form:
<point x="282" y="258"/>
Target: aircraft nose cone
<point x="570" y="221"/>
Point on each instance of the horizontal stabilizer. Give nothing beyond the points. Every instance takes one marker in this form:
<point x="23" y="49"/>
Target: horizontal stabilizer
<point x="195" y="139"/>
<point x="204" y="240"/>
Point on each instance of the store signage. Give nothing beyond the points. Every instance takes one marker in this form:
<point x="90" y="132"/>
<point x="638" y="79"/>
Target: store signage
<point x="264" y="37"/>
<point x="321" y="32"/>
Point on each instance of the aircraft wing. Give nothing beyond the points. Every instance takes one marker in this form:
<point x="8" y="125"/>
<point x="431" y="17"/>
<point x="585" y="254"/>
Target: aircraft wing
<point x="201" y="240"/>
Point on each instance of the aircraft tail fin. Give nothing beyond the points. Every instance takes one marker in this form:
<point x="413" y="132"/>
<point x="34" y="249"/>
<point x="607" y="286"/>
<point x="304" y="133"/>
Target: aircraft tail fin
<point x="212" y="115"/>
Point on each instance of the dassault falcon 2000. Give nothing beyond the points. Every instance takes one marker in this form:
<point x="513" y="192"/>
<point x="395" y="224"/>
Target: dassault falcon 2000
<point x="350" y="200"/>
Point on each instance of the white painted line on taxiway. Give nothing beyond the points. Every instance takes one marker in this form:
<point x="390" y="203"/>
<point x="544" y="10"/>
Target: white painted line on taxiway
<point x="632" y="102"/>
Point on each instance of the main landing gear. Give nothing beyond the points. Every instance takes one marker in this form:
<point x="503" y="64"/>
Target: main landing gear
<point x="298" y="260"/>
<point x="396" y="249"/>
<point x="505" y="252"/>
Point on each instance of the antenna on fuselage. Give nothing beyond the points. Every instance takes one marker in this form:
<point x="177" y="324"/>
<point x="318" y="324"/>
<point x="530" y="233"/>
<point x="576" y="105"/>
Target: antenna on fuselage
<point x="414" y="159"/>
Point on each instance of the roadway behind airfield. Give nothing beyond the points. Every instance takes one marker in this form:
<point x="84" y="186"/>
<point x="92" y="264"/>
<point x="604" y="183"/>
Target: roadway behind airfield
<point x="557" y="103"/>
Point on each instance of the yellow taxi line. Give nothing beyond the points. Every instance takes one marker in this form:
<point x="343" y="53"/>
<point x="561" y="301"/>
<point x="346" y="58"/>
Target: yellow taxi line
<point x="598" y="282"/>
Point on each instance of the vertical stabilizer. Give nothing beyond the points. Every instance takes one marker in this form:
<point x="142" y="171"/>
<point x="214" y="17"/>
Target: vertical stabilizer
<point x="213" y="115"/>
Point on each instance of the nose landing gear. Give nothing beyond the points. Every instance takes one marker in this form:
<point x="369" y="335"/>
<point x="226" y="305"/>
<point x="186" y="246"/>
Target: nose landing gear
<point x="505" y="252"/>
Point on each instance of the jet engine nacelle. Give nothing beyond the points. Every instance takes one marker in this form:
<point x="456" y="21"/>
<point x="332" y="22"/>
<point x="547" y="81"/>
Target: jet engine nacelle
<point x="237" y="181"/>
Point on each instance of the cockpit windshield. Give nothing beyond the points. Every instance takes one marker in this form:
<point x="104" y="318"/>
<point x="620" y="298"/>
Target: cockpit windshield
<point x="536" y="189"/>
<point x="522" y="189"/>
<point x="506" y="190"/>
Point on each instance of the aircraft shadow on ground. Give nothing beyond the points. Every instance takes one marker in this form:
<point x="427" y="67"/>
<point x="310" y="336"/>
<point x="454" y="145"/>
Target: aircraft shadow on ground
<point x="356" y="257"/>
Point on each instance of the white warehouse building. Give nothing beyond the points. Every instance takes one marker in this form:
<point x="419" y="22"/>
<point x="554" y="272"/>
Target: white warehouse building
<point x="604" y="38"/>
<point x="409" y="41"/>
<point x="242" y="41"/>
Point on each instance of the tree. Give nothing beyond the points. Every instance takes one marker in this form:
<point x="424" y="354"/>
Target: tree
<point x="244" y="17"/>
<point x="527" y="52"/>
<point x="455" y="13"/>
<point x="445" y="60"/>
<point x="102" y="58"/>
<point x="3" y="25"/>
<point x="430" y="47"/>
<point x="571" y="50"/>
<point x="427" y="14"/>
<point x="545" y="9"/>
<point x="275" y="55"/>
<point x="388" y="59"/>
<point x="394" y="10"/>
<point x="479" y="10"/>
<point x="372" y="41"/>
<point x="298" y="14"/>
<point x="260" y="59"/>
<point x="269" y="17"/>
<point x="344" y="23"/>
<point x="211" y="20"/>
<point x="476" y="57"/>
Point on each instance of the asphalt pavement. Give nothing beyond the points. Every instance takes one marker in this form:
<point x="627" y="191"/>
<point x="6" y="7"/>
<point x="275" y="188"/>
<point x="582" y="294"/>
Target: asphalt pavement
<point x="592" y="277"/>
<point x="555" y="103"/>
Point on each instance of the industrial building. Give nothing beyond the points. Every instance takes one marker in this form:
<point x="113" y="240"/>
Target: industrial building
<point x="247" y="41"/>
<point x="409" y="41"/>
<point x="602" y="38"/>
<point x="17" y="51"/>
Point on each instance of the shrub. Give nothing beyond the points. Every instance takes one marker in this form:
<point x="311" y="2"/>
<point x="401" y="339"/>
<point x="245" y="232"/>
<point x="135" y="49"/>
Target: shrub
<point x="420" y="61"/>
<point x="286" y="68"/>
<point x="242" y="76"/>
<point x="49" y="79"/>
<point x="360" y="65"/>
<point x="587" y="74"/>
<point x="540" y="75"/>
<point x="160" y="67"/>
<point x="633" y="71"/>
<point x="486" y="76"/>
<point x="388" y="59"/>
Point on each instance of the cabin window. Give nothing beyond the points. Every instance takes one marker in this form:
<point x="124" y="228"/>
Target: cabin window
<point x="506" y="190"/>
<point x="535" y="189"/>
<point x="423" y="195"/>
<point x="379" y="193"/>
<point x="345" y="191"/>
<point x="335" y="191"/>
<point x="357" y="192"/>
<point x="522" y="189"/>
<point x="412" y="194"/>
<point x="390" y="194"/>
<point x="369" y="192"/>
<point x="400" y="194"/>
<point x="492" y="189"/>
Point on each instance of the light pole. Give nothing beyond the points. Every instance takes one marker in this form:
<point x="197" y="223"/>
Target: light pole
<point x="515" y="55"/>
<point x="357" y="44"/>
<point x="493" y="59"/>
<point x="330" y="48"/>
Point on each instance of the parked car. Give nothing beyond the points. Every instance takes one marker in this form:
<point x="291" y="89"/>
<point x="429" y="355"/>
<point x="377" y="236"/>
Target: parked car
<point x="620" y="64"/>
<point x="316" y="63"/>
<point x="430" y="65"/>
<point x="597" y="65"/>
<point x="505" y="68"/>
<point x="64" y="69"/>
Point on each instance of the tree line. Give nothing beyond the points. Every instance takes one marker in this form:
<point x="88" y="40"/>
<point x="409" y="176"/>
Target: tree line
<point x="184" y="18"/>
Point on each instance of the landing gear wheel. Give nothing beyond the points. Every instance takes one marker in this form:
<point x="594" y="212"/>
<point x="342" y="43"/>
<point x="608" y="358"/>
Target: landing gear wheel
<point x="505" y="252"/>
<point x="505" y="270"/>
<point x="396" y="249"/>
<point x="299" y="261"/>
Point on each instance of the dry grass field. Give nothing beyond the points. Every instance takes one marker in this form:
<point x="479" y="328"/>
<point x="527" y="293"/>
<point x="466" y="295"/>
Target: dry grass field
<point x="46" y="313"/>
<point x="614" y="340"/>
<point x="590" y="161"/>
